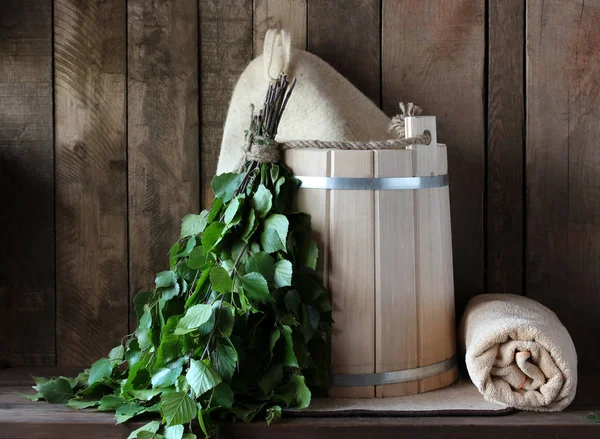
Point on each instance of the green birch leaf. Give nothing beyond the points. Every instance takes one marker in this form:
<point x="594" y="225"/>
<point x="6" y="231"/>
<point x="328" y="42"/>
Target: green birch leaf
<point x="225" y="361"/>
<point x="295" y="393"/>
<point x="593" y="417"/>
<point x="208" y="326"/>
<point x="116" y="353"/>
<point x="174" y="432"/>
<point x="198" y="257"/>
<point x="274" y="173"/>
<point x="274" y="235"/>
<point x="173" y="252"/>
<point x="34" y="397"/>
<point x="231" y="216"/>
<point x="201" y="415"/>
<point x="192" y="225"/>
<point x="170" y="348"/>
<point x="165" y="377"/>
<point x="168" y="293"/>
<point x="310" y="321"/>
<point x="196" y="316"/>
<point x="275" y="335"/>
<point x="143" y="332"/>
<point x="289" y="357"/>
<point x="177" y="408"/>
<point x="128" y="411"/>
<point x="199" y="288"/>
<point x="255" y="287"/>
<point x="151" y="427"/>
<point x="190" y="243"/>
<point x="278" y="184"/>
<point x="201" y="377"/>
<point x="271" y="379"/>
<point x="283" y="274"/>
<point x="226" y="318"/>
<point x="292" y="302"/>
<point x="261" y="263"/>
<point x="111" y="403"/>
<point x="145" y="394"/>
<point x="140" y="300"/>
<point x="100" y="370"/>
<point x="311" y="255"/>
<point x="79" y="404"/>
<point x="250" y="227"/>
<point x="220" y="280"/>
<point x="223" y="396"/>
<point x="273" y="413"/>
<point x="270" y="242"/>
<point x="262" y="201"/>
<point x="212" y="235"/>
<point x="138" y="378"/>
<point x="146" y="320"/>
<point x="224" y="185"/>
<point x="303" y="395"/>
<point x="39" y="381"/>
<point x="215" y="210"/>
<point x="189" y="436"/>
<point x="165" y="279"/>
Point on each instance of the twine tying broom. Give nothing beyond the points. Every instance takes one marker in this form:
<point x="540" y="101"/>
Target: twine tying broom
<point x="261" y="146"/>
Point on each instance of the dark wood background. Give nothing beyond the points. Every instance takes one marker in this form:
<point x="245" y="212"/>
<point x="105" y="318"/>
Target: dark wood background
<point x="111" y="115"/>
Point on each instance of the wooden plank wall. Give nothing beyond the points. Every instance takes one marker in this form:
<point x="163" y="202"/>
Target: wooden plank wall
<point x="111" y="115"/>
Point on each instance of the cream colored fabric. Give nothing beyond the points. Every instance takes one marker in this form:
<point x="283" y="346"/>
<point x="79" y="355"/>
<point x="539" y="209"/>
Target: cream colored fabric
<point x="323" y="106"/>
<point x="518" y="353"/>
<point x="461" y="398"/>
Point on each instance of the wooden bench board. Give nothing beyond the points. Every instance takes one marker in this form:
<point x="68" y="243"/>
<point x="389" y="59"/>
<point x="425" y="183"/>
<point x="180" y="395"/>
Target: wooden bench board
<point x="21" y="418"/>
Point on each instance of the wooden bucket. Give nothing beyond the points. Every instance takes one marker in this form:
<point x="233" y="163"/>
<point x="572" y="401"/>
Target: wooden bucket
<point x="386" y="256"/>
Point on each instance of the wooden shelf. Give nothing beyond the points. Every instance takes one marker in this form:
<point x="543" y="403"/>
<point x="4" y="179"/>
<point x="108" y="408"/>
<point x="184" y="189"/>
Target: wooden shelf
<point x="21" y="418"/>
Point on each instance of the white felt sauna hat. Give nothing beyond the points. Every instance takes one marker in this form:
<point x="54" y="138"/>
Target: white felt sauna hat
<point x="323" y="106"/>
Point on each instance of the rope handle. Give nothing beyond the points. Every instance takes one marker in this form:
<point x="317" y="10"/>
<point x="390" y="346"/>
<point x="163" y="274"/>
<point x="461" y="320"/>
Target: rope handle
<point x="397" y="127"/>
<point x="275" y="38"/>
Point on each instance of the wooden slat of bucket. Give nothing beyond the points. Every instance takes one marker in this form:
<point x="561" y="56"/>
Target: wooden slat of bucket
<point x="351" y="273"/>
<point x="449" y="332"/>
<point x="396" y="302"/>
<point x="315" y="202"/>
<point x="431" y="277"/>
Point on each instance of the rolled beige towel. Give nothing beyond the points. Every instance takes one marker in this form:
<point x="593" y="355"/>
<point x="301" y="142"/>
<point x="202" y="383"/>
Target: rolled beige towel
<point x="518" y="353"/>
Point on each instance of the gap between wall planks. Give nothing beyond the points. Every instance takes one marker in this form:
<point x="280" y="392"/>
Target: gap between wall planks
<point x="91" y="178"/>
<point x="563" y="163"/>
<point x="27" y="297"/>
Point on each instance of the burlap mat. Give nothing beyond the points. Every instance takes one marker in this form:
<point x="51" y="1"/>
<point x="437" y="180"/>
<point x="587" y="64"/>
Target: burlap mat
<point x="460" y="399"/>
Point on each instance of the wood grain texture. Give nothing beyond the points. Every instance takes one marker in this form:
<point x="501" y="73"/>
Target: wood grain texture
<point x="396" y="325"/>
<point x="26" y="184"/>
<point x="351" y="273"/>
<point x="225" y="51"/>
<point x="163" y="131"/>
<point x="563" y="163"/>
<point x="347" y="34"/>
<point x="505" y="144"/>
<point x="433" y="284"/>
<point x="314" y="202"/>
<point x="433" y="55"/>
<point x="280" y="14"/>
<point x="22" y="418"/>
<point x="91" y="179"/>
